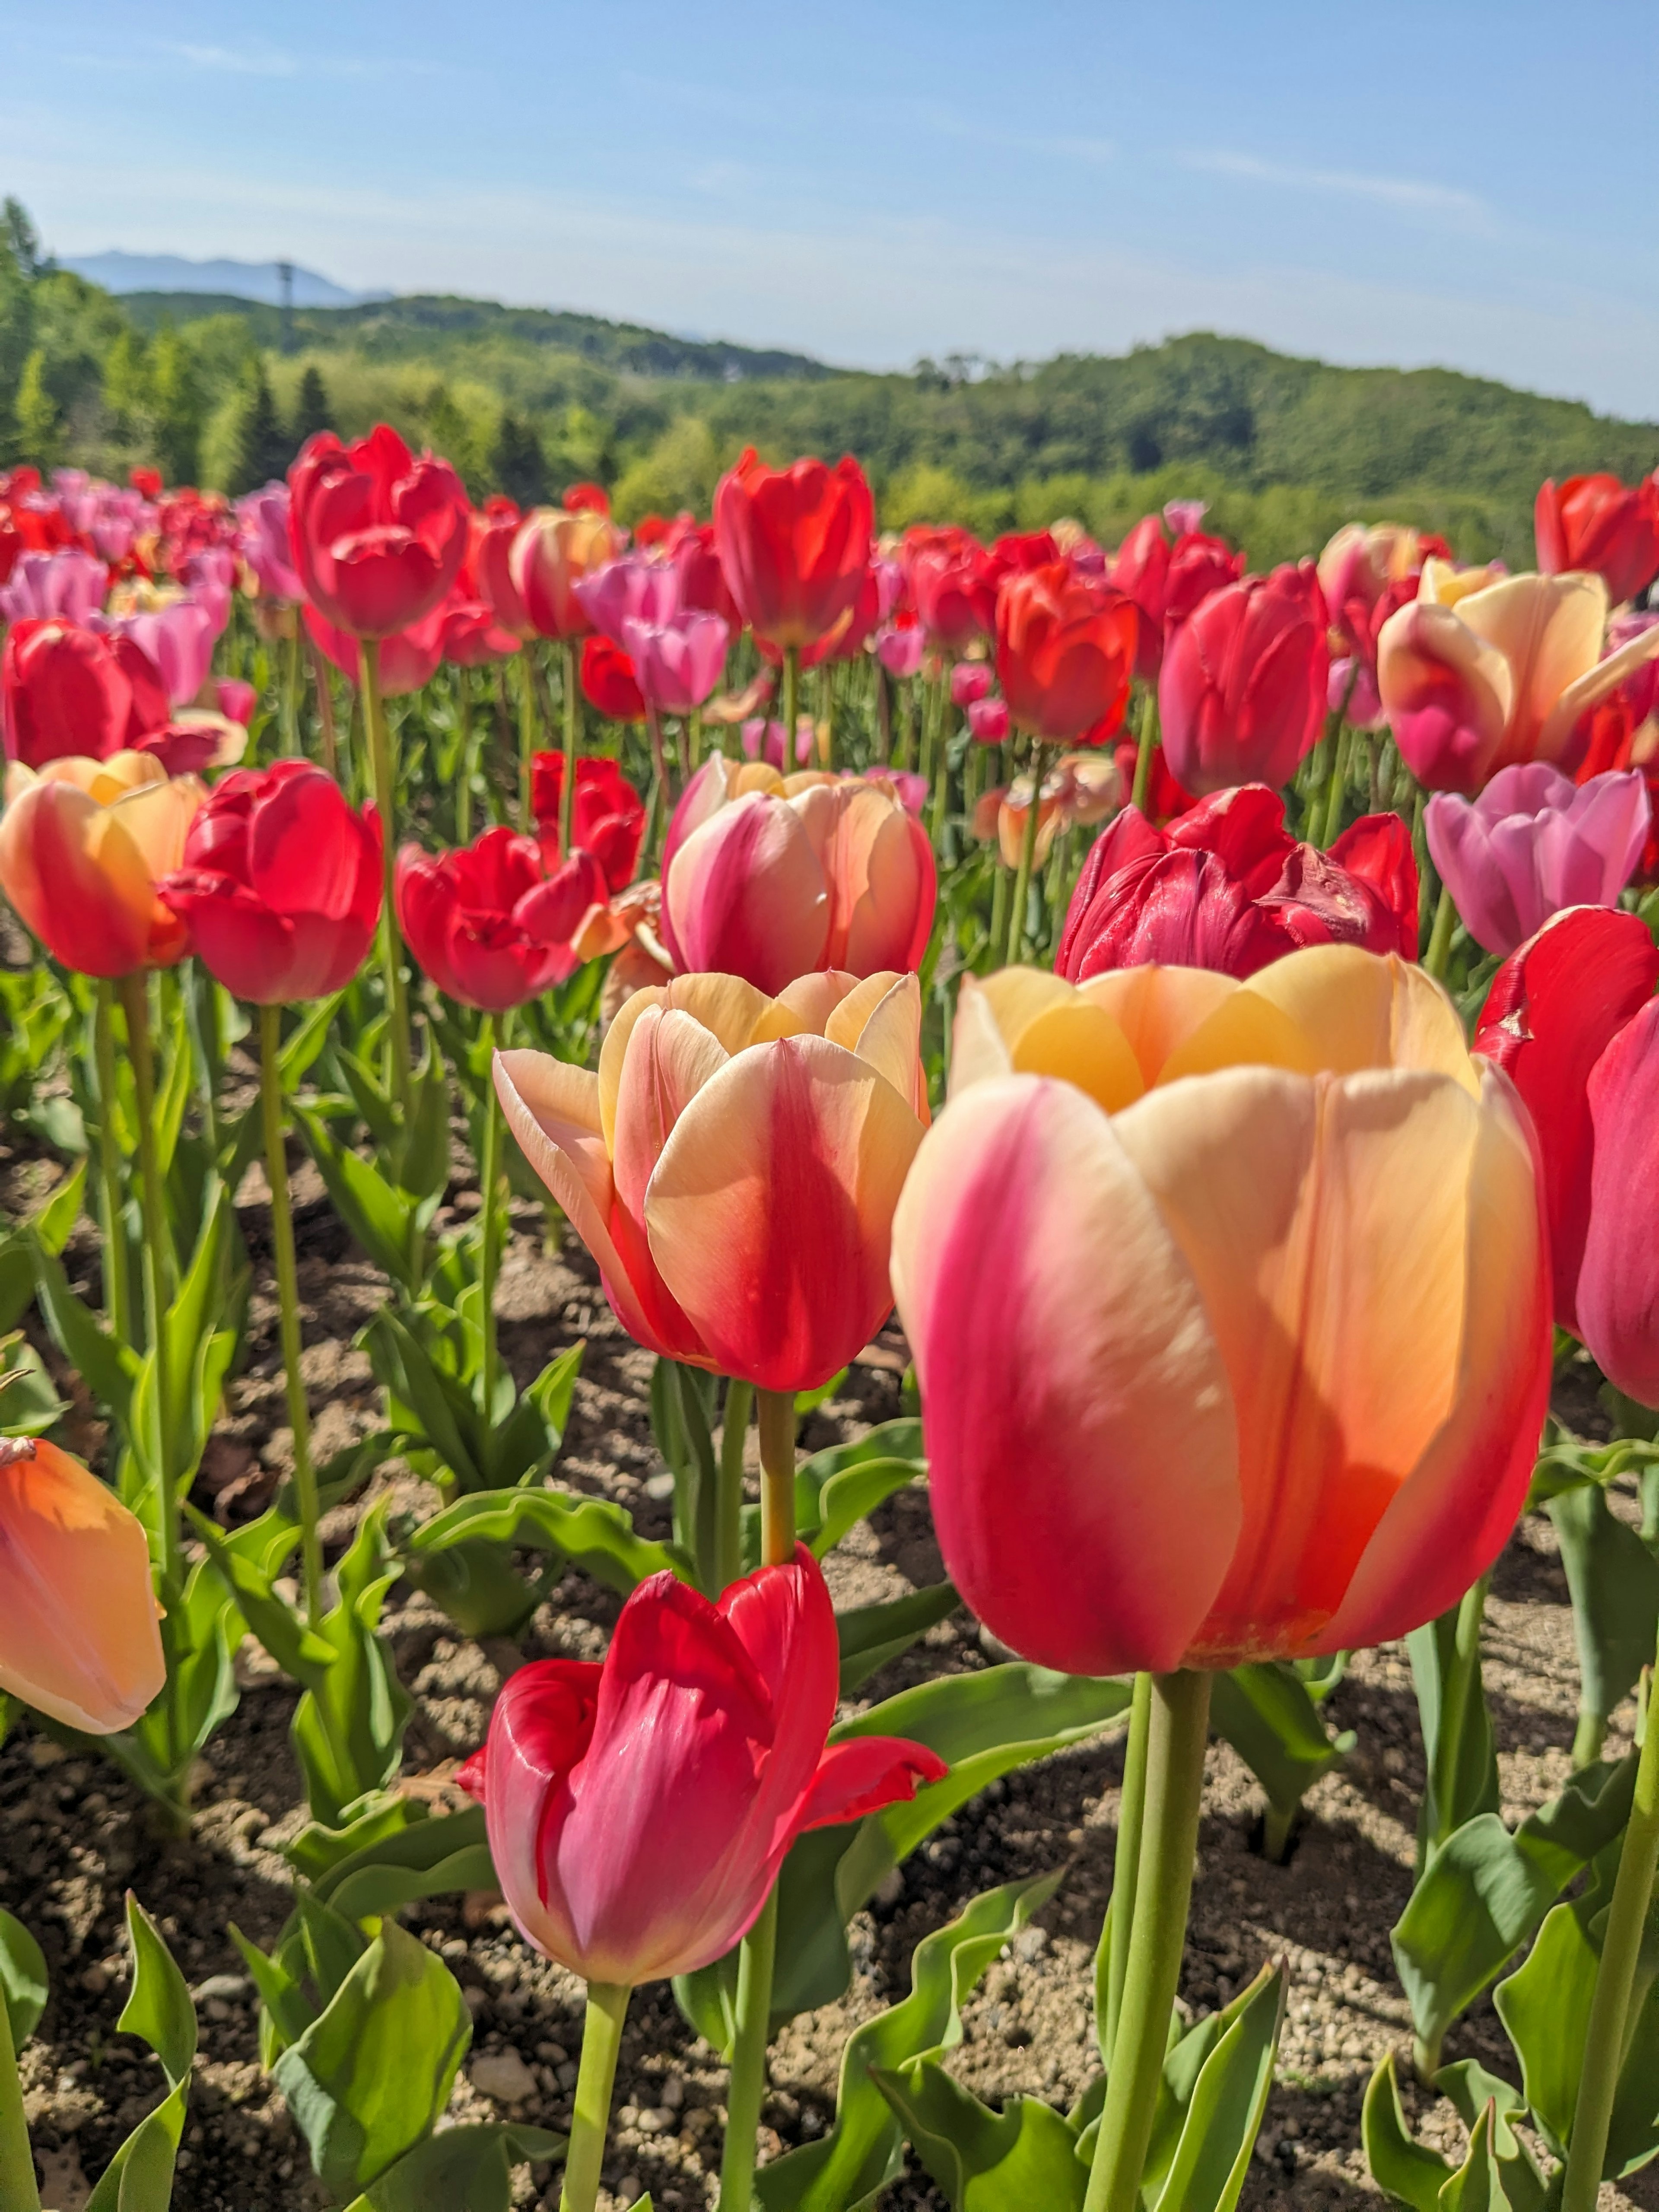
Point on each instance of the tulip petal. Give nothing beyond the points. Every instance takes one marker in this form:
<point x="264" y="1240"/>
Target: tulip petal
<point x="1549" y="630"/>
<point x="785" y="1621"/>
<point x="865" y="1773"/>
<point x="1158" y="1008"/>
<point x="1619" y="1282"/>
<point x="889" y="1036"/>
<point x="1587" y="690"/>
<point x="769" y="1214"/>
<point x="1357" y="1010"/>
<point x="1080" y="1424"/>
<point x="1450" y="1518"/>
<point x="669" y="1057"/>
<point x="78" y="1635"/>
<point x="1338" y="1309"/>
<point x="305" y="847"/>
<point x="747" y="895"/>
<point x="77" y="880"/>
<point x="540" y="1726"/>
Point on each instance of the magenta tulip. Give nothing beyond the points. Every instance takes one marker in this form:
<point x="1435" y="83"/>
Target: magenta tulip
<point x="677" y="660"/>
<point x="67" y="585"/>
<point x="636" y="587"/>
<point x="1534" y="842"/>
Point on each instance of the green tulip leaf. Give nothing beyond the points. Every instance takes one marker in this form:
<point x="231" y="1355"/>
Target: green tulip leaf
<point x="1478" y="2185"/>
<point x="139" y="2177"/>
<point x="985" y="2161"/>
<point x="596" y="1537"/>
<point x="466" y="2169"/>
<point x="871" y="1635"/>
<point x="24" y="1983"/>
<point x="1223" y="2117"/>
<point x="1613" y="1581"/>
<point x="1409" y="2172"/>
<point x="1268" y="1715"/>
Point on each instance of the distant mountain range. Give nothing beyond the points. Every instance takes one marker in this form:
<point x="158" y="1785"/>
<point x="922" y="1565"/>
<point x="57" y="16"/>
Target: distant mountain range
<point x="259" y="280"/>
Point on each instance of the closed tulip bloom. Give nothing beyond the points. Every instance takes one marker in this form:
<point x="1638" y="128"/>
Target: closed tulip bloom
<point x="635" y="586"/>
<point x="702" y="585"/>
<point x="1569" y="1020"/>
<point x="1533" y="842"/>
<point x="988" y="721"/>
<point x="486" y="573"/>
<point x="281" y="884"/>
<point x="769" y="876"/>
<point x="734" y="1165"/>
<point x="264" y="540"/>
<point x="1230" y="1316"/>
<point x="78" y="1634"/>
<point x="1224" y="885"/>
<point x="609" y="683"/>
<point x="1473" y="680"/>
<point x="639" y="1810"/>
<point x="409" y="657"/>
<point x="67" y="585"/>
<point x="1066" y="652"/>
<point x="378" y="536"/>
<point x="677" y="663"/>
<point x="953" y="583"/>
<point x="901" y="648"/>
<point x="554" y="549"/>
<point x="66" y="692"/>
<point x="794" y="544"/>
<point x="81" y="854"/>
<point x="177" y="639"/>
<point x="1598" y="524"/>
<point x="971" y="682"/>
<point x="471" y="918"/>
<point x="469" y="634"/>
<point x="1242" y="696"/>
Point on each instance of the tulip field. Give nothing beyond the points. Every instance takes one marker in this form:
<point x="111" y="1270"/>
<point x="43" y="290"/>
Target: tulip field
<point x="829" y="1361"/>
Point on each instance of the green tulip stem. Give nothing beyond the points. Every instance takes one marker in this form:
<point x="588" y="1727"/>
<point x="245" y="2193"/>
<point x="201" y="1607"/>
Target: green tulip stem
<point x="1028" y="845"/>
<point x="602" y="2029"/>
<point x="464" y="730"/>
<point x="775" y="1410"/>
<point x="384" y="777"/>
<point x="1605" y="2042"/>
<point x="659" y="771"/>
<point x="324" y="704"/>
<point x="941" y="768"/>
<point x="1126" y="1868"/>
<point x="289" y="704"/>
<point x="1337" y="790"/>
<point x="490" y="1218"/>
<point x="728" y="1529"/>
<point x="745" y="2092"/>
<point x="1445" y="915"/>
<point x="1461" y="1679"/>
<point x="1145" y="747"/>
<point x="1178" y="1726"/>
<point x="287" y="1298"/>
<point x="572" y="739"/>
<point x="118" y="1294"/>
<point x="18" y="2191"/>
<point x="791" y="708"/>
<point x="158" y="1268"/>
<point x="527" y="690"/>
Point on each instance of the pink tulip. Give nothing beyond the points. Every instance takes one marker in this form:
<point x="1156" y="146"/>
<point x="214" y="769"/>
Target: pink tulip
<point x="639" y="1811"/>
<point x="1184" y="515"/>
<point x="1533" y="842"/>
<point x="263" y="542"/>
<point x="178" y="637"/>
<point x="65" y="586"/>
<point x="900" y="650"/>
<point x="633" y="587"/>
<point x="987" y="719"/>
<point x="1242" y="694"/>
<point x="237" y="699"/>
<point x="677" y="660"/>
<point x="209" y="577"/>
<point x="764" y="740"/>
<point x="970" y="680"/>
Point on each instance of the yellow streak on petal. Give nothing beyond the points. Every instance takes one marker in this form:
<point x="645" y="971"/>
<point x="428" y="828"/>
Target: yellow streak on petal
<point x="1357" y="1009"/>
<point x="1158" y="1008"/>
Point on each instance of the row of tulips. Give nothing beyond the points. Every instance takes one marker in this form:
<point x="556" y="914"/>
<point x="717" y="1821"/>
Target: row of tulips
<point x="1228" y="1266"/>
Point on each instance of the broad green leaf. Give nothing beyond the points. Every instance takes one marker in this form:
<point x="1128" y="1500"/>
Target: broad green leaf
<point x="1471" y="2089"/>
<point x="372" y="2074"/>
<point x="525" y="1441"/>
<point x="863" y="2151"/>
<point x="279" y="1992"/>
<point x="1010" y="2160"/>
<point x="1224" y="2114"/>
<point x="139" y="2177"/>
<point x="1410" y="2172"/>
<point x="29" y="1404"/>
<point x="1614" y="1580"/>
<point x="466" y="2169"/>
<point x="348" y="1730"/>
<point x="331" y="1945"/>
<point x="109" y="1369"/>
<point x="387" y="1223"/>
<point x="594" y="1535"/>
<point x="1432" y="1650"/>
<point x="439" y="1411"/>
<point x="1267" y="1715"/>
<point x="871" y="1635"/>
<point x="854" y="1492"/>
<point x="422" y="1152"/>
<point x="297" y="1649"/>
<point x="22" y="1979"/>
<point x="52" y="1222"/>
<point x="1478" y="2183"/>
<point x="427" y="1859"/>
<point x="306" y="1039"/>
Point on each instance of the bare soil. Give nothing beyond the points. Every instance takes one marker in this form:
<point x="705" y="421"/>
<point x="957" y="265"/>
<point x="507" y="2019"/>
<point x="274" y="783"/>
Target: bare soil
<point x="76" y="1836"/>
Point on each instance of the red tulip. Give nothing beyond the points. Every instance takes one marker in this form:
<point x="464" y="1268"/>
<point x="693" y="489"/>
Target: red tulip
<point x="609" y="814"/>
<point x="1569" y="1020"/>
<point x="794" y="544"/>
<point x="281" y="884"/>
<point x="1227" y="887"/>
<point x="1166" y="581"/>
<point x="1165" y="798"/>
<point x="477" y="920"/>
<point x="378" y="536"/>
<point x="486" y="573"/>
<point x="65" y="693"/>
<point x="1622" y="731"/>
<point x="1018" y="552"/>
<point x="409" y="657"/>
<point x="1066" y="652"/>
<point x="1598" y="524"/>
<point x="469" y="635"/>
<point x="953" y="584"/>
<point x="639" y="1811"/>
<point x="1242" y="697"/>
<point x="703" y="588"/>
<point x="609" y="681"/>
<point x="586" y="499"/>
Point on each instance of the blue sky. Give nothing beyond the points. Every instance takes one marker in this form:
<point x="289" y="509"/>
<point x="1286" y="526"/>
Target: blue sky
<point x="1465" y="182"/>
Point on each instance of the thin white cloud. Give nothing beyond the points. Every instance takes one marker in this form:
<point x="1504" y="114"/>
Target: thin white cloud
<point x="264" y="61"/>
<point x="1415" y="194"/>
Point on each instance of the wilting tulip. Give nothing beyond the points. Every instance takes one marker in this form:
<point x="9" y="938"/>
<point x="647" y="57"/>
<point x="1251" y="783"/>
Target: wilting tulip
<point x="1242" y="697"/>
<point x="794" y="544"/>
<point x="78" y="1634"/>
<point x="378" y="537"/>
<point x="677" y="663"/>
<point x="953" y="586"/>
<point x="1474" y="681"/>
<point x="609" y="816"/>
<point x="639" y="1810"/>
<point x="554" y="549"/>
<point x="609" y="683"/>
<point x="1244" y="1366"/>
<point x="62" y="586"/>
<point x="1079" y="789"/>
<point x="1595" y="523"/>
<point x="264" y="543"/>
<point x="82" y="849"/>
<point x="1533" y="842"/>
<point x="734" y="1165"/>
<point x="1066" y="652"/>
<point x="65" y="692"/>
<point x="477" y="919"/>
<point x="1227" y="886"/>
<point x="1570" y="1020"/>
<point x="281" y="884"/>
<point x="770" y="878"/>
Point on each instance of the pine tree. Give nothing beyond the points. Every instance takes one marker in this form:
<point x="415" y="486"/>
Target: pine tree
<point x="312" y="412"/>
<point x="261" y="448"/>
<point x="518" y="465"/>
<point x="176" y="406"/>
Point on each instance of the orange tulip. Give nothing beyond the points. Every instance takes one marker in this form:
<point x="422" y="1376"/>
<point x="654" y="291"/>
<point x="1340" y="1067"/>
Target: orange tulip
<point x="1080" y="789"/>
<point x="734" y="1165"/>
<point x="1246" y="1365"/>
<point x="83" y="846"/>
<point x="551" y="554"/>
<point x="78" y="1638"/>
<point x="1477" y="674"/>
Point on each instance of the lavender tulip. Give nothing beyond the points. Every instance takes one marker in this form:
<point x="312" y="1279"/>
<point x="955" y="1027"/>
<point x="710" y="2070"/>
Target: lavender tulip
<point x="262" y="540"/>
<point x="178" y="637"/>
<point x="676" y="663"/>
<point x="636" y="587"/>
<point x="68" y="586"/>
<point x="1534" y="842"/>
<point x="900" y="651"/>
